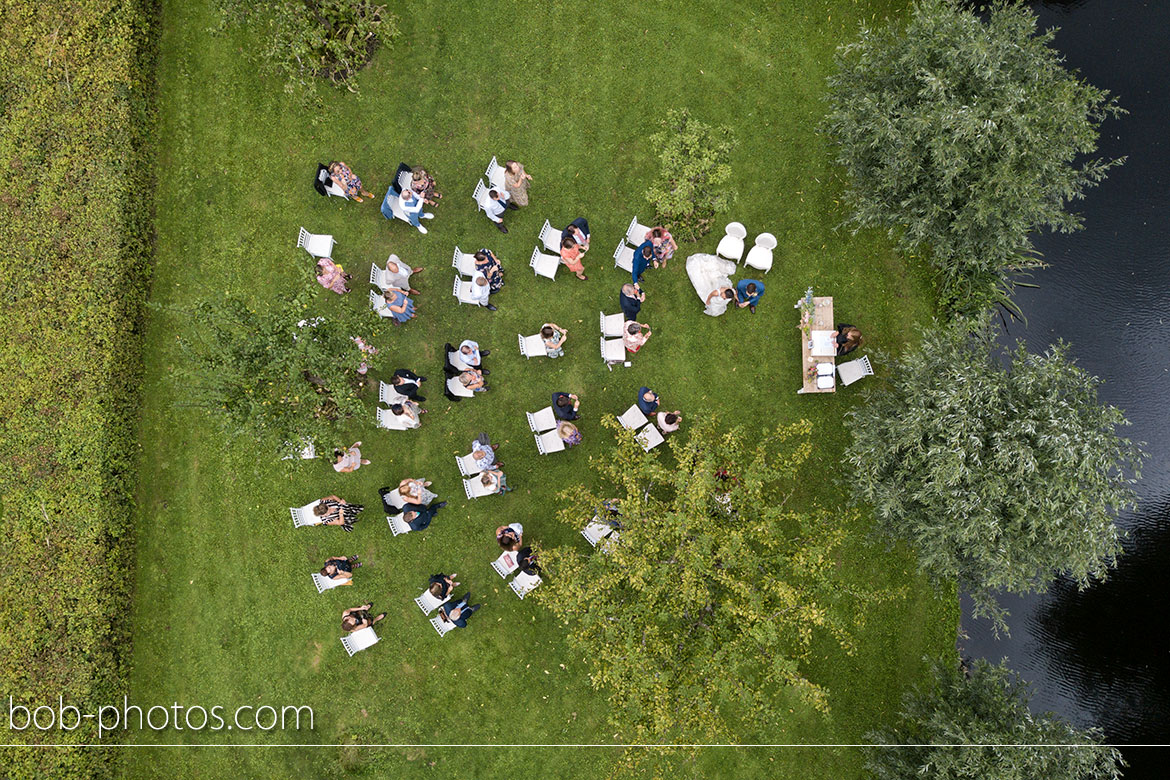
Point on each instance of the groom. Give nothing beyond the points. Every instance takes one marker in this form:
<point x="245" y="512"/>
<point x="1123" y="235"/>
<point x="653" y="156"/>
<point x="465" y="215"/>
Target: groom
<point x="748" y="292"/>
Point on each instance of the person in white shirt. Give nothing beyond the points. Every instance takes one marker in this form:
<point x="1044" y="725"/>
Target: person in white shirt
<point x="668" y="422"/>
<point x="412" y="206"/>
<point x="498" y="202"/>
<point x="398" y="274"/>
<point x="481" y="291"/>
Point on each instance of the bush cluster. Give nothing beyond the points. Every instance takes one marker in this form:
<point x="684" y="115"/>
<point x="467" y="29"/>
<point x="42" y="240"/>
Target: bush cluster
<point x="76" y="205"/>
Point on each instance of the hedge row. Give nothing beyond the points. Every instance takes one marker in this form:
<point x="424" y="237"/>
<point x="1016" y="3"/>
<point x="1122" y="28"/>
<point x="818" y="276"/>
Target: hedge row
<point x="75" y="80"/>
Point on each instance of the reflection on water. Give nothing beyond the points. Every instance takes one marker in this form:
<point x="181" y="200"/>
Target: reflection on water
<point x="1102" y="656"/>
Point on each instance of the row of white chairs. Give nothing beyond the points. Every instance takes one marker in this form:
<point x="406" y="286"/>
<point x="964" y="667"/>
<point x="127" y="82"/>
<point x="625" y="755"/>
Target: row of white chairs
<point x="596" y="531"/>
<point x="524" y="583"/>
<point x="613" y="347"/>
<point x="648" y="434"/>
<point x="544" y="428"/>
<point x="623" y="256"/>
<point x="731" y="247"/>
<point x="543" y="264"/>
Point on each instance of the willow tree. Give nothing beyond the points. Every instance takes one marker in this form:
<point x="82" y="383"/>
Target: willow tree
<point x="976" y="724"/>
<point x="1003" y="471"/>
<point x="962" y="134"/>
<point x="272" y="373"/>
<point x="698" y="614"/>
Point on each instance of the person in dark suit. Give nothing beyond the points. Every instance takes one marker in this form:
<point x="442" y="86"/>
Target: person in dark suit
<point x="457" y="611"/>
<point x="578" y="230"/>
<point x="407" y="383"/>
<point x="526" y="560"/>
<point x="643" y="257"/>
<point x="440" y="585"/>
<point x="647" y="401"/>
<point x="565" y="406"/>
<point x="418" y="516"/>
<point x="630" y="299"/>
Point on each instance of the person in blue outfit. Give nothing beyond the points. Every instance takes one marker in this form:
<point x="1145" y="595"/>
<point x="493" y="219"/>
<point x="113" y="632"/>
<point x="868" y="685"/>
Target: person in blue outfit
<point x="565" y="406"/>
<point x="417" y="516"/>
<point x="457" y="610"/>
<point x="647" y="400"/>
<point x="748" y="291"/>
<point x="643" y="257"/>
<point x="630" y="300"/>
<point x="578" y="230"/>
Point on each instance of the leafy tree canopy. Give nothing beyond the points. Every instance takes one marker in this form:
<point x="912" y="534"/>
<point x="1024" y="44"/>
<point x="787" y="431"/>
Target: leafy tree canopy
<point x="699" y="618"/>
<point x="985" y="710"/>
<point x="691" y="186"/>
<point x="1002" y="470"/>
<point x="961" y="135"/>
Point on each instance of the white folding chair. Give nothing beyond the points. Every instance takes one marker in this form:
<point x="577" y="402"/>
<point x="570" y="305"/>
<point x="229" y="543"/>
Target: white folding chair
<point x="317" y="244"/>
<point x="495" y="174"/>
<point x="388" y="395"/>
<point x="395" y="499"/>
<point x="760" y="255"/>
<point x="524" y="583"/>
<point x="378" y="304"/>
<point x="405" y="179"/>
<point x="636" y="232"/>
<point x="506" y="564"/>
<point x="360" y="640"/>
<point x="731" y="245"/>
<point x="632" y="418"/>
<point x="303" y="515"/>
<point x="610" y="541"/>
<point x="397" y="524"/>
<point x="458" y="388"/>
<point x="853" y="370"/>
<point x="308" y="452"/>
<point x="335" y="190"/>
<point x="391" y="199"/>
<point x="390" y="421"/>
<point x="623" y="257"/>
<point x="544" y="265"/>
<point x="442" y="626"/>
<point x="612" y="351"/>
<point x="649" y="437"/>
<point x="542" y="421"/>
<point x="474" y="488"/>
<point x="612" y="325"/>
<point x="480" y="195"/>
<point x="549" y="442"/>
<point x="429" y="603"/>
<point x="468" y="465"/>
<point x="463" y="262"/>
<point x="532" y="346"/>
<point x="595" y="532"/>
<point x="462" y="291"/>
<point x="551" y="238"/>
<point x="325" y="583"/>
<point x="378" y="276"/>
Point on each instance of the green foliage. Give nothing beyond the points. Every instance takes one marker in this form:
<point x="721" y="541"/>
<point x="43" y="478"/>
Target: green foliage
<point x="274" y="375"/>
<point x="309" y="40"/>
<point x="985" y="710"/>
<point x="700" y="618"/>
<point x="691" y="185"/>
<point x="76" y="225"/>
<point x="1000" y="476"/>
<point x="960" y="135"/>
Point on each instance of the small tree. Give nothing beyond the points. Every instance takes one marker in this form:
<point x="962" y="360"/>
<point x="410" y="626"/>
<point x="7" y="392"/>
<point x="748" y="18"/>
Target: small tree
<point x="699" y="618"/>
<point x="986" y="712"/>
<point x="309" y="40"/>
<point x="690" y="188"/>
<point x="960" y="135"/>
<point x="274" y="375"/>
<point x="1002" y="476"/>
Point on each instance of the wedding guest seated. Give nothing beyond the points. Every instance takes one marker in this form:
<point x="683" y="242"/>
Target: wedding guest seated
<point x="668" y="422"/>
<point x="344" y="177"/>
<point x="473" y="380"/>
<point x="630" y="300"/>
<point x="398" y="274"/>
<point x="331" y="276"/>
<point x="467" y="356"/>
<point x="407" y="384"/>
<point x="418" y="516"/>
<point x="414" y="491"/>
<point x="664" y="245"/>
<point x="408" y="413"/>
<point x="526" y="559"/>
<point x="424" y="185"/>
<point x="748" y="291"/>
<point x="565" y="406"/>
<point x="647" y="400"/>
<point x="635" y="335"/>
<point x="484" y="452"/>
<point x="554" y="337"/>
<point x="441" y="585"/>
<point x="480" y="292"/>
<point x="457" y="611"/>
<point x="340" y="569"/>
<point x="489" y="265"/>
<point x="336" y="511"/>
<point x="848" y="338"/>
<point x="349" y="459"/>
<point x="357" y="618"/>
<point x="397" y="306"/>
<point x="497" y="204"/>
<point x="494" y="480"/>
<point x="412" y="206"/>
<point x="578" y="230"/>
<point x="510" y="536"/>
<point x="570" y="434"/>
<point x="571" y="255"/>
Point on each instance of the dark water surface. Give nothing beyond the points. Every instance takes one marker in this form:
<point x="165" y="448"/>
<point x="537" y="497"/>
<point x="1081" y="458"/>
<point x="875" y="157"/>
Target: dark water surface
<point x="1102" y="656"/>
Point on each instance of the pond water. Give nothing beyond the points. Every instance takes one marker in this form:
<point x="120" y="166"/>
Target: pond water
<point x="1102" y="656"/>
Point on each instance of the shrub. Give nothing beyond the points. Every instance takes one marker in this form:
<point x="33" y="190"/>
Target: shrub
<point x="959" y="135"/>
<point x="690" y="188"/>
<point x="309" y="40"/>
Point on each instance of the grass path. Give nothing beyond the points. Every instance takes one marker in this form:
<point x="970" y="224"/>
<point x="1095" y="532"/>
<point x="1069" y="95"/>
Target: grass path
<point x="224" y="611"/>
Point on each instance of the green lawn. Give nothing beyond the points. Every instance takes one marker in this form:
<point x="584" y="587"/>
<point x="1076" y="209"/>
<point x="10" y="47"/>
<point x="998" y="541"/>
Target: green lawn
<point x="224" y="609"/>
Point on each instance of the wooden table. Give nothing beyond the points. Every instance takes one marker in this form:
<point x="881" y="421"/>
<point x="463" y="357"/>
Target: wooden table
<point x="822" y="319"/>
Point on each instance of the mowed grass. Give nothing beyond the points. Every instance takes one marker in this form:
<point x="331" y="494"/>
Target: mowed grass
<point x="224" y="610"/>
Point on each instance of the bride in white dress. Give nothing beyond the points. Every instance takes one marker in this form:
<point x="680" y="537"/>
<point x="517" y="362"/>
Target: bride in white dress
<point x="710" y="274"/>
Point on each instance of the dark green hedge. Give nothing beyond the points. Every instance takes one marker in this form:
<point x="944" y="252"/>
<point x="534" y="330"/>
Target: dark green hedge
<point x="75" y="223"/>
